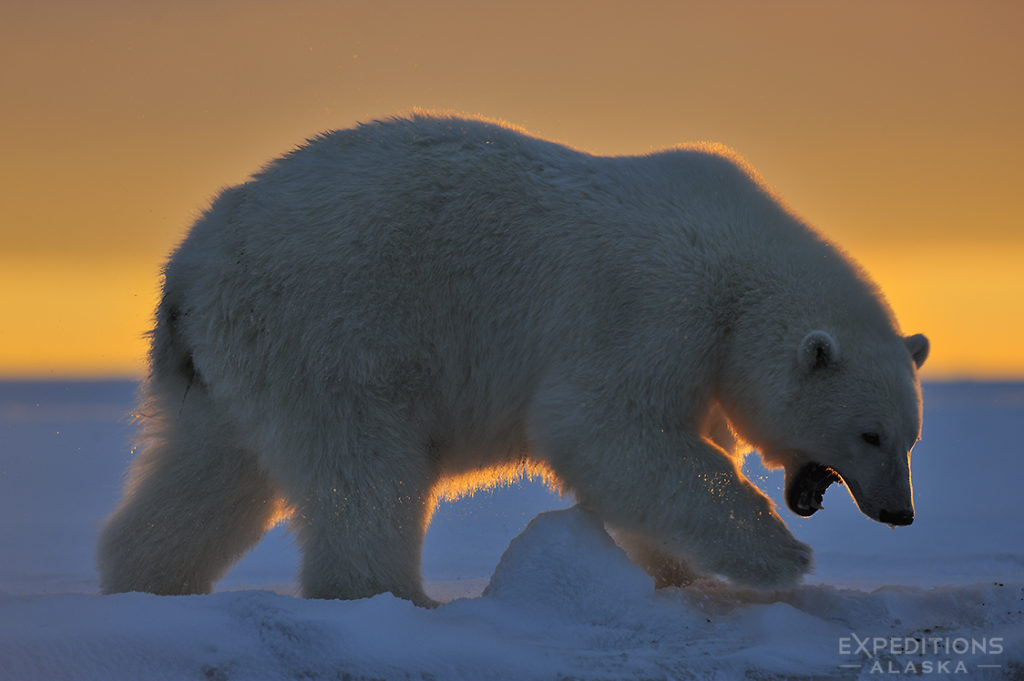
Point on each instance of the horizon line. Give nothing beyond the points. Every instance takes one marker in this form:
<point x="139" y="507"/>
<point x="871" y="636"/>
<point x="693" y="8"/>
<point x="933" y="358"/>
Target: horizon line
<point x="114" y="377"/>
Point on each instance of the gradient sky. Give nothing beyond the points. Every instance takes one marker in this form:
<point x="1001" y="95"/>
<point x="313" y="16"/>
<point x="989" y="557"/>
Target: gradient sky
<point x="894" y="127"/>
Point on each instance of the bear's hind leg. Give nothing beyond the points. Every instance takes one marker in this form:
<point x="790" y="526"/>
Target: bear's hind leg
<point x="194" y="503"/>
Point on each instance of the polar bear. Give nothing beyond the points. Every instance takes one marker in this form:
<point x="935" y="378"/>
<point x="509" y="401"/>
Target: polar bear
<point x="429" y="298"/>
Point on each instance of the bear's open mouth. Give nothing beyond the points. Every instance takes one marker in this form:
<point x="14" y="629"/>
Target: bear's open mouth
<point x="804" y="493"/>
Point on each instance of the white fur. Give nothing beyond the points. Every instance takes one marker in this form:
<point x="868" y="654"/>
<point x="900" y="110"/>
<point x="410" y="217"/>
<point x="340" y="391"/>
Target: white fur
<point x="420" y="298"/>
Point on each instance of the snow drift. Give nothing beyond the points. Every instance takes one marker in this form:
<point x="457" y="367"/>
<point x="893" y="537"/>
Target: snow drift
<point x="943" y="598"/>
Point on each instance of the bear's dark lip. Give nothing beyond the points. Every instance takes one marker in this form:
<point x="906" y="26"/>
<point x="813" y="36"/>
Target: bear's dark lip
<point x="804" y="493"/>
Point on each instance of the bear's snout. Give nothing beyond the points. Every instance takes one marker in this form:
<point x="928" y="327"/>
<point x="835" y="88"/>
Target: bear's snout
<point x="896" y="518"/>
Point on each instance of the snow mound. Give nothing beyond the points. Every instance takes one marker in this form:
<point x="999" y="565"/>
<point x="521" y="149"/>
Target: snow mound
<point x="566" y="562"/>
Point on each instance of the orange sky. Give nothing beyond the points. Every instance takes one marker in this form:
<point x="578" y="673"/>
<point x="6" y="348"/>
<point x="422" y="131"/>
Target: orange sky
<point x="894" y="127"/>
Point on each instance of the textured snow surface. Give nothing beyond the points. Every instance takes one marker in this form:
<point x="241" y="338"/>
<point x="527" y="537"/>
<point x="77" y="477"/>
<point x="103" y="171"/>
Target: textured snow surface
<point x="943" y="598"/>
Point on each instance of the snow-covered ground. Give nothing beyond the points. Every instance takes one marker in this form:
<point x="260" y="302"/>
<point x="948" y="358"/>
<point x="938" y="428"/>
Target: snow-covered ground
<point x="942" y="598"/>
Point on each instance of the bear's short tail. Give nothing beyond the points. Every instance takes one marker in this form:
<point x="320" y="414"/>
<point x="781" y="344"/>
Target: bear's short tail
<point x="170" y="354"/>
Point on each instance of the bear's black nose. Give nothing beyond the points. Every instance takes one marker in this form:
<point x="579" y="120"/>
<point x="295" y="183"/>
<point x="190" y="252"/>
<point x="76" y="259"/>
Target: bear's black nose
<point x="897" y="518"/>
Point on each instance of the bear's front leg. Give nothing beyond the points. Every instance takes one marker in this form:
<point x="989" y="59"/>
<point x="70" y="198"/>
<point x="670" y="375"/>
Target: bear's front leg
<point x="675" y="488"/>
<point x="361" y="537"/>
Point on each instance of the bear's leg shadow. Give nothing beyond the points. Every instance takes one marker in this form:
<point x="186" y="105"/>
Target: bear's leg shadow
<point x="666" y="568"/>
<point x="194" y="503"/>
<point x="674" y="487"/>
<point x="361" y="521"/>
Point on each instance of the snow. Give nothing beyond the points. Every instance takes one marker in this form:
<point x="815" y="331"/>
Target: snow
<point x="535" y="588"/>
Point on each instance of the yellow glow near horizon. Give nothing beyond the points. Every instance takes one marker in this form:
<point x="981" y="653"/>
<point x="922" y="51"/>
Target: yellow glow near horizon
<point x="894" y="128"/>
<point x="79" y="319"/>
<point x="967" y="301"/>
<point x="75" y="318"/>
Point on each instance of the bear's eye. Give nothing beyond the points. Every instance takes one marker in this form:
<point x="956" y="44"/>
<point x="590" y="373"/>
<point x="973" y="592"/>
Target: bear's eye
<point x="872" y="439"/>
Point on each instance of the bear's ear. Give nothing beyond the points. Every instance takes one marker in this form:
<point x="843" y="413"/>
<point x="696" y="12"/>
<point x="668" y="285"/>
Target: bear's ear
<point x="817" y="350"/>
<point x="918" y="347"/>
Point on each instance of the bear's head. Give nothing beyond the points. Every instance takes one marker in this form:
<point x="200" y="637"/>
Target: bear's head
<point x="841" y="404"/>
<point x="868" y="417"/>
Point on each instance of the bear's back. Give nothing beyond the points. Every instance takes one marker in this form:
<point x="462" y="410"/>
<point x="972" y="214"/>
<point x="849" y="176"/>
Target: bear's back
<point x="453" y="243"/>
